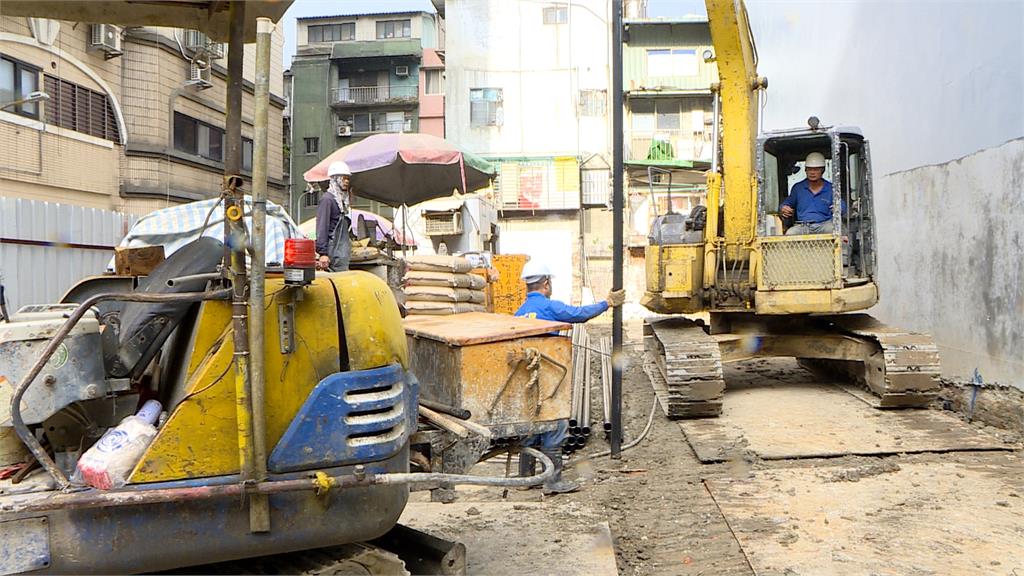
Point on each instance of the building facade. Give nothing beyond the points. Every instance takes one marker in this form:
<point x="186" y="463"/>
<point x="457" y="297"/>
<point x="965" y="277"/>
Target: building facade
<point x="527" y="88"/>
<point x="357" y="75"/>
<point x="669" y="118"/>
<point x="134" y="119"/>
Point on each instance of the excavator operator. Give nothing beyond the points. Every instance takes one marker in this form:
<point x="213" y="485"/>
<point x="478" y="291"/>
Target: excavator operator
<point x="810" y="200"/>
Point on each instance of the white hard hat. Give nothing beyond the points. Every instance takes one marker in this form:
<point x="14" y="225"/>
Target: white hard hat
<point x="535" y="271"/>
<point x="815" y="160"/>
<point x="340" y="168"/>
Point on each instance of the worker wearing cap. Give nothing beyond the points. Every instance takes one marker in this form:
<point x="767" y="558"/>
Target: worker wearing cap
<point x="539" y="305"/>
<point x="333" y="243"/>
<point x="810" y="200"/>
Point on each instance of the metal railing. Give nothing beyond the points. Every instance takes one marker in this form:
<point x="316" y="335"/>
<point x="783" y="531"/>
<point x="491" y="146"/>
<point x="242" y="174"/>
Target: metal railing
<point x="668" y="145"/>
<point x="374" y="94"/>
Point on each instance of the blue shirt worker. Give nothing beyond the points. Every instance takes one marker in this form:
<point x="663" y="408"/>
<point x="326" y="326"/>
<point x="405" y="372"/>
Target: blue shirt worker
<point x="810" y="200"/>
<point x="539" y="305"/>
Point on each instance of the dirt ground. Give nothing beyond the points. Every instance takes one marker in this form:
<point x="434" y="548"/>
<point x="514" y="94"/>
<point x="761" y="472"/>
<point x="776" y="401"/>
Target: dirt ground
<point x="662" y="517"/>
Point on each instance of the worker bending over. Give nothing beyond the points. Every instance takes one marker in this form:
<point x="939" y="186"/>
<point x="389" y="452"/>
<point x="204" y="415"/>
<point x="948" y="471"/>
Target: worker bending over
<point x="539" y="305"/>
<point x="810" y="200"/>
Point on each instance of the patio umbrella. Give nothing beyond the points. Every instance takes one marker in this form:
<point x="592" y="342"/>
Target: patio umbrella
<point x="407" y="168"/>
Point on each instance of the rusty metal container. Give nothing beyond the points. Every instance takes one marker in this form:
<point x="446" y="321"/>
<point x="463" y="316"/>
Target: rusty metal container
<point x="505" y="370"/>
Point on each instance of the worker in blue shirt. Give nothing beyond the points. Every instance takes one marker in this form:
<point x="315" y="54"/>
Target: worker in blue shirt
<point x="539" y="305"/>
<point x="810" y="200"/>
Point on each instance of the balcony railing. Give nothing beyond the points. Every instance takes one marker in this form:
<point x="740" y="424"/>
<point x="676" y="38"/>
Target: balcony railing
<point x="389" y="126"/>
<point x="363" y="95"/>
<point x="669" y="145"/>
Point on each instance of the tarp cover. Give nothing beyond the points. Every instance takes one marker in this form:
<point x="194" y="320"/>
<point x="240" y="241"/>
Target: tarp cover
<point x="176" y="226"/>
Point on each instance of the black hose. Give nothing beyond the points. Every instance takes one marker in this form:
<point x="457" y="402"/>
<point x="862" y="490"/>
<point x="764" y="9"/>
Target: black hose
<point x="460" y="413"/>
<point x="18" y="422"/>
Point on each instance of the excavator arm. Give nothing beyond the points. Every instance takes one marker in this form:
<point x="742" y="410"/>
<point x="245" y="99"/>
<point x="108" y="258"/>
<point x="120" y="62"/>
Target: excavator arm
<point x="738" y="87"/>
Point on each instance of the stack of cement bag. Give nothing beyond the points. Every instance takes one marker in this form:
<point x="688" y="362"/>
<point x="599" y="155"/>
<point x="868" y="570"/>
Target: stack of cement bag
<point x="441" y="285"/>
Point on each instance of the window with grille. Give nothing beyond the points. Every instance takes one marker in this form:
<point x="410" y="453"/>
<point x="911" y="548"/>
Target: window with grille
<point x="17" y="81"/>
<point x="592" y="102"/>
<point x="556" y="15"/>
<point x="485" y="107"/>
<point x="394" y="29"/>
<point x="595" y="187"/>
<point x="80" y="109"/>
<point x="331" y="32"/>
<point x="311" y="199"/>
<point x="312" y="145"/>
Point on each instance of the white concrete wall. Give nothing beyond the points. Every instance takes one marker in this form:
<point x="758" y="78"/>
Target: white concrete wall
<point x="938" y="88"/>
<point x="952" y="259"/>
<point x="540" y="69"/>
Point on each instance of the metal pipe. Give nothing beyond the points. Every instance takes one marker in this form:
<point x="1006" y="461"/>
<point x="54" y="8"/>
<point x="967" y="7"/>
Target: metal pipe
<point x="585" y="422"/>
<point x="259" y="506"/>
<point x="234" y="233"/>
<point x="617" y="217"/>
<point x="171" y="282"/>
<point x="460" y="413"/>
<point x="359" y="479"/>
<point x="18" y="423"/>
<point x="714" y="132"/>
<point x="443" y="420"/>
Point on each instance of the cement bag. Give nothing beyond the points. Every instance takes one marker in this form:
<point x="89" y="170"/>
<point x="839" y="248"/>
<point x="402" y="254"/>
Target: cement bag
<point x="110" y="460"/>
<point x="423" y="307"/>
<point x="421" y="278"/>
<point x="432" y="263"/>
<point x="443" y="294"/>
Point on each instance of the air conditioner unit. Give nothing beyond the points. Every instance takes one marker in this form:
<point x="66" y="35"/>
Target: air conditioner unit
<point x="105" y="38"/>
<point x="401" y="70"/>
<point x="344" y="129"/>
<point x="199" y="75"/>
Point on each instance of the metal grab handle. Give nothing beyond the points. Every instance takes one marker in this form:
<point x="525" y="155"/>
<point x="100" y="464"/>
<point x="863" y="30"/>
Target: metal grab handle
<point x="18" y="422"/>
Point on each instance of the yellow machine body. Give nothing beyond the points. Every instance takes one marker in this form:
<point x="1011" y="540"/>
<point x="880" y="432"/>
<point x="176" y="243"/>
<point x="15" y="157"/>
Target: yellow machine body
<point x="206" y="413"/>
<point x="764" y="274"/>
<point x="765" y="293"/>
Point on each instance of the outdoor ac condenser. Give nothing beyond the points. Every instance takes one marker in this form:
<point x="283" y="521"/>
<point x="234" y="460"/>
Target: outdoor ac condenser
<point x="105" y="38"/>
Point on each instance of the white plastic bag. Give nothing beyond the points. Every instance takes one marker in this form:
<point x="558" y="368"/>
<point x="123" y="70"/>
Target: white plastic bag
<point x="107" y="464"/>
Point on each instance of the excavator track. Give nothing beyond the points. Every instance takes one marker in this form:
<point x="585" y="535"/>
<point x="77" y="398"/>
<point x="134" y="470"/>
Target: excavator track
<point x="684" y="365"/>
<point x="347" y="560"/>
<point x="903" y="374"/>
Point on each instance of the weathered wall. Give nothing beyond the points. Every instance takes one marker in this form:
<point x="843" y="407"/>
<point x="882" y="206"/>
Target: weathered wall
<point x="540" y="69"/>
<point x="952" y="259"/>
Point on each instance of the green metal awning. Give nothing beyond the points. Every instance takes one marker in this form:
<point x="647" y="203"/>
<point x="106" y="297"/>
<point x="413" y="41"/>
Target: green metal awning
<point x="377" y="49"/>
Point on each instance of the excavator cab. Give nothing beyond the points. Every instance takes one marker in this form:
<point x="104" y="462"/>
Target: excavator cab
<point x="841" y="258"/>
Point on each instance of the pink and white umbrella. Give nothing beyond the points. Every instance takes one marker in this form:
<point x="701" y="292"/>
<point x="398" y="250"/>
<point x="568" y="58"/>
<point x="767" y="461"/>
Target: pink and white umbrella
<point x="407" y="168"/>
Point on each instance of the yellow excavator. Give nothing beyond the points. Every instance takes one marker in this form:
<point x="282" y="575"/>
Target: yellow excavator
<point x="757" y="290"/>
